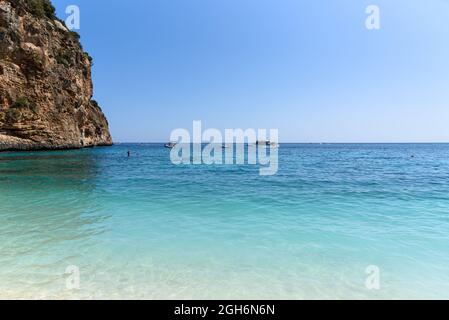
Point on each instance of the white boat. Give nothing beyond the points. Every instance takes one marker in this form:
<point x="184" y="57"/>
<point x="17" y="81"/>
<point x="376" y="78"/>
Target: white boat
<point x="170" y="145"/>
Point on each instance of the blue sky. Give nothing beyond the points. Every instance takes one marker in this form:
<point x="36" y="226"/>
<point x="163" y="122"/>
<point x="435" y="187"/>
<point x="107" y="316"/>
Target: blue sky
<point x="309" y="68"/>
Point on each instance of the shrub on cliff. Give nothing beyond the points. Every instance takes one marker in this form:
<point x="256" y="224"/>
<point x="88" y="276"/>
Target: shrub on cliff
<point x="75" y="35"/>
<point x="21" y="103"/>
<point x="13" y="115"/>
<point x="21" y="109"/>
<point x="64" y="57"/>
<point x="41" y="8"/>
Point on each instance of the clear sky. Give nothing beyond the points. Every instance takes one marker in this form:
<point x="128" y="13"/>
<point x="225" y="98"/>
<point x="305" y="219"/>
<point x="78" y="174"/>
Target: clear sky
<point x="309" y="68"/>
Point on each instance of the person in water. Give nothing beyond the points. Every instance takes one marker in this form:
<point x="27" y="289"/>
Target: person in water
<point x="129" y="153"/>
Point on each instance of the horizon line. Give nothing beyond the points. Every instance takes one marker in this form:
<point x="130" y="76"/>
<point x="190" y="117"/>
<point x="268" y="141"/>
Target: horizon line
<point x="150" y="142"/>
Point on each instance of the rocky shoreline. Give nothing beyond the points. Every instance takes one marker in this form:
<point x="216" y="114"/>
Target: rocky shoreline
<point x="10" y="144"/>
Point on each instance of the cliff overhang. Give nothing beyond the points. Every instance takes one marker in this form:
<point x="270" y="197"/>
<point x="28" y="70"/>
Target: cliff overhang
<point x="45" y="83"/>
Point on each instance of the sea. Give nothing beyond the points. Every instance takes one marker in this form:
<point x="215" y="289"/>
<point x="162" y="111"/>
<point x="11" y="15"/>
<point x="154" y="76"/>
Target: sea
<point x="337" y="221"/>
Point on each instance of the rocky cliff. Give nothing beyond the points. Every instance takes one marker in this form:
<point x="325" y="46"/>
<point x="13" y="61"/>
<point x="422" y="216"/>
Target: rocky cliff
<point x="45" y="82"/>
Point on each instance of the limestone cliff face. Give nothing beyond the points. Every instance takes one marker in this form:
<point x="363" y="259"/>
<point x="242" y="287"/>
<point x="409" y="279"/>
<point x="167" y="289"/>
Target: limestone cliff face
<point x="45" y="82"/>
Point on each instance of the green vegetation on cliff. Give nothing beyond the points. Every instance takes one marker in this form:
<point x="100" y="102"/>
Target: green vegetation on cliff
<point x="41" y="8"/>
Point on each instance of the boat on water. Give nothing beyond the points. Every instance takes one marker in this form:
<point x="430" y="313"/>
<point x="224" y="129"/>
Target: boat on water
<point x="267" y="143"/>
<point x="170" y="145"/>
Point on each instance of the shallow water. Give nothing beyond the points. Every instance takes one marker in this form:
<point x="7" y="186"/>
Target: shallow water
<point x="142" y="227"/>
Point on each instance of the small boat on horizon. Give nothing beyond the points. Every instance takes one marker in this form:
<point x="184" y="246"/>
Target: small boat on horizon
<point x="267" y="143"/>
<point x="170" y="145"/>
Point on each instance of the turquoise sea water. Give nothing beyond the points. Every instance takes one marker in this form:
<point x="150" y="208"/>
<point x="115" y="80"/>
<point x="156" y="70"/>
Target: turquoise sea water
<point x="144" y="228"/>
